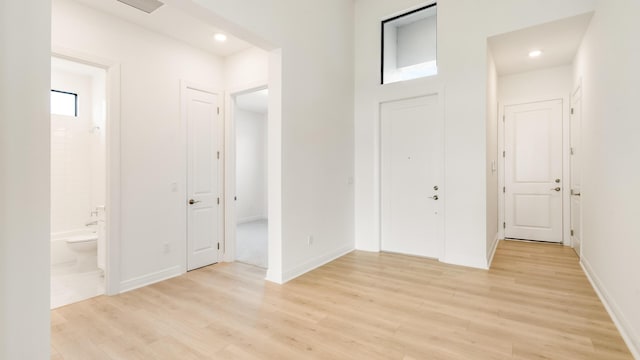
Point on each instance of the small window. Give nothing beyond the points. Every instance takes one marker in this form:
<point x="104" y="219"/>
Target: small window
<point x="409" y="45"/>
<point x="64" y="103"/>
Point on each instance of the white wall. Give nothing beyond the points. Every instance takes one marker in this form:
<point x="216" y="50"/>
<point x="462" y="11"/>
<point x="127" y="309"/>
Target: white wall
<point x="251" y="165"/>
<point x="153" y="150"/>
<point x="492" y="156"/>
<point x="246" y="69"/>
<point x="544" y="84"/>
<point x="311" y="109"/>
<point x="462" y="66"/>
<point x="607" y="65"/>
<point x="98" y="141"/>
<point x="24" y="183"/>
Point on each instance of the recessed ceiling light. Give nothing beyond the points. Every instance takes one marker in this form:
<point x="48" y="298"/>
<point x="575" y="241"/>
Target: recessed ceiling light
<point x="220" y="37"/>
<point x="535" y="53"/>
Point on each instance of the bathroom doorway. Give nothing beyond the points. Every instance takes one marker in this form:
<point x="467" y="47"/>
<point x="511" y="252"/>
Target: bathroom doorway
<point x="78" y="181"/>
<point x="250" y="119"/>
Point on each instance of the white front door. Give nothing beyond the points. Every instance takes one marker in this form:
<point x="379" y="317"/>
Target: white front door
<point x="412" y="171"/>
<point x="576" y="156"/>
<point x="533" y="171"/>
<point x="203" y="183"/>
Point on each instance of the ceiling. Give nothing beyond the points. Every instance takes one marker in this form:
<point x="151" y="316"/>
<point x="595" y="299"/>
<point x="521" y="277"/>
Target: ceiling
<point x="558" y="41"/>
<point x="256" y="101"/>
<point x="173" y="23"/>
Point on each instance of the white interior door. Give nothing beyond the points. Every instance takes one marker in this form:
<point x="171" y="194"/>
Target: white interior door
<point x="576" y="123"/>
<point x="412" y="170"/>
<point x="533" y="171"/>
<point x="203" y="184"/>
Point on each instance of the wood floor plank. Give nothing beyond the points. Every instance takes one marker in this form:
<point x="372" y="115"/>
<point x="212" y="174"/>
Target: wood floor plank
<point x="534" y="303"/>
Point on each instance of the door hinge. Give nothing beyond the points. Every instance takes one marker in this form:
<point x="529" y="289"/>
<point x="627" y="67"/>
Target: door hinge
<point x="218" y="110"/>
<point x="218" y="246"/>
<point x="218" y="201"/>
<point x="218" y="154"/>
<point x="504" y="225"/>
<point x="571" y="111"/>
<point x="504" y="153"/>
<point x="502" y="118"/>
<point x="571" y="232"/>
<point x="504" y="189"/>
<point x="571" y="151"/>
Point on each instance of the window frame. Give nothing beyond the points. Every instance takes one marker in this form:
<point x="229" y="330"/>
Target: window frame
<point x="75" y="102"/>
<point x="393" y="18"/>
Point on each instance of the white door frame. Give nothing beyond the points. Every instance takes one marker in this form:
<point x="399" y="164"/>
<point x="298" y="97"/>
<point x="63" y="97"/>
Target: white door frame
<point x="440" y="92"/>
<point x="230" y="170"/>
<point x="112" y="140"/>
<point x="577" y="93"/>
<point x="566" y="214"/>
<point x="184" y="86"/>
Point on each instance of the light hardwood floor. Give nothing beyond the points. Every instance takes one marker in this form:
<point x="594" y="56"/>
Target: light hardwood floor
<point x="534" y="303"/>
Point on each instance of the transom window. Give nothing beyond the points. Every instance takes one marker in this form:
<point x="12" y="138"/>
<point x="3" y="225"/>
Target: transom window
<point x="64" y="103"/>
<point x="409" y="45"/>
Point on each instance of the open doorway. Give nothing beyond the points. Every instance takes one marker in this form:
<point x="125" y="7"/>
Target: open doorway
<point x="534" y="78"/>
<point x="78" y="181"/>
<point x="250" y="119"/>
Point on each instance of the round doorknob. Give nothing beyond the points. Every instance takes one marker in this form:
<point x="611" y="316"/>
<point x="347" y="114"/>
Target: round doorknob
<point x="434" y="197"/>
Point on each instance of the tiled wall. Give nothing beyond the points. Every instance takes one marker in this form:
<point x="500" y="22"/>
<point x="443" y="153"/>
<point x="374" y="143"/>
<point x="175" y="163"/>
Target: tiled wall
<point x="77" y="156"/>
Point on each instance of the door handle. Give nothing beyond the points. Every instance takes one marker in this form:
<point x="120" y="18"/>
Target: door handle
<point x="434" y="197"/>
<point x="191" y="201"/>
<point x="574" y="193"/>
<point x="556" y="188"/>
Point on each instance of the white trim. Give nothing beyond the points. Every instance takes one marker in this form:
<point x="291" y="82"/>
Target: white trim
<point x="273" y="276"/>
<point x="492" y="251"/>
<point x="631" y="338"/>
<point x="407" y="10"/>
<point x="501" y="165"/>
<point x="113" y="160"/>
<point x="466" y="260"/>
<point x="148" y="279"/>
<point x="314" y="263"/>
<point x="575" y="95"/>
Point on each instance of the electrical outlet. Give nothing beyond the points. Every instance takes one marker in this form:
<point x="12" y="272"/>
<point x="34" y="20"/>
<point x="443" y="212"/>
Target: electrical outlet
<point x="167" y="248"/>
<point x="310" y="240"/>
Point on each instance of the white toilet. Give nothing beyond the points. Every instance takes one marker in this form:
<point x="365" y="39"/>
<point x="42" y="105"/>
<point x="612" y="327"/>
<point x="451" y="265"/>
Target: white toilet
<point x="85" y="248"/>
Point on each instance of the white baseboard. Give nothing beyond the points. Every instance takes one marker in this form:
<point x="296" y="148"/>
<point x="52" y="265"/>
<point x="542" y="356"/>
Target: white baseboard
<point x="251" y="219"/>
<point x="149" y="279"/>
<point x="314" y="263"/>
<point x="492" y="251"/>
<point x="479" y="263"/>
<point x="629" y="335"/>
<point x="274" y="277"/>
